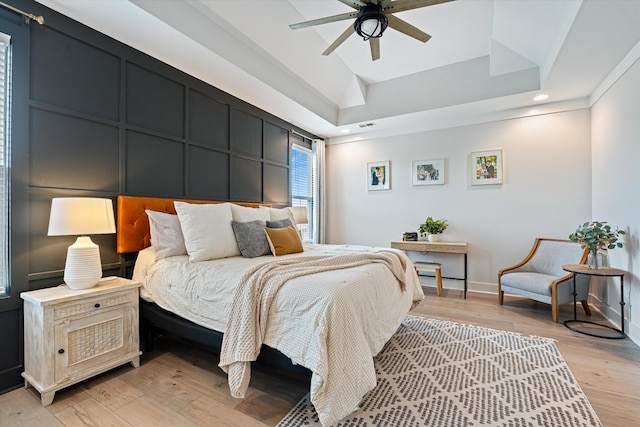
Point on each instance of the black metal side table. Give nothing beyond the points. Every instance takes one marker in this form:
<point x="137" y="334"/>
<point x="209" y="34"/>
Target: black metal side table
<point x="602" y="272"/>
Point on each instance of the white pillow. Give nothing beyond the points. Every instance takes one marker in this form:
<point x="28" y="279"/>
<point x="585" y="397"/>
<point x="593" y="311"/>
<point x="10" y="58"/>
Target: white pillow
<point x="245" y="214"/>
<point x="278" y="214"/>
<point x="207" y="230"/>
<point x="166" y="234"/>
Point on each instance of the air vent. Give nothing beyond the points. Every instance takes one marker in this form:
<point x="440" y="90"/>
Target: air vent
<point x="366" y="125"/>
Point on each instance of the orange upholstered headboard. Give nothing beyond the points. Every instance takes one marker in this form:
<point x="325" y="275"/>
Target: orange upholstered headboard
<point x="133" y="223"/>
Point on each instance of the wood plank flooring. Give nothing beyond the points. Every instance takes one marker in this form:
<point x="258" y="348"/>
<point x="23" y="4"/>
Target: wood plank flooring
<point x="179" y="384"/>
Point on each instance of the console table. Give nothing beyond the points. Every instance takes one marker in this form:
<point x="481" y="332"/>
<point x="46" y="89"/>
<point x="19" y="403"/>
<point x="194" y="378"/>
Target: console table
<point x="602" y="272"/>
<point x="438" y="247"/>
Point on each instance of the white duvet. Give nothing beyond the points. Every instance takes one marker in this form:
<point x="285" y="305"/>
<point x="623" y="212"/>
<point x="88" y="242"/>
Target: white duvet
<point x="332" y="322"/>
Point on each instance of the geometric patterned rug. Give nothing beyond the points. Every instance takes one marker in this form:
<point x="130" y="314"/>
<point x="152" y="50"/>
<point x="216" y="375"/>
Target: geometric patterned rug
<point x="440" y="373"/>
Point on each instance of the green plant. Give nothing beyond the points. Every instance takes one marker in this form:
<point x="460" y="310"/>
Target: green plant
<point x="597" y="235"/>
<point x="432" y="226"/>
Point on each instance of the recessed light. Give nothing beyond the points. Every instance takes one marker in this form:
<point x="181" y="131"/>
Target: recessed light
<point x="541" y="97"/>
<point x="345" y="131"/>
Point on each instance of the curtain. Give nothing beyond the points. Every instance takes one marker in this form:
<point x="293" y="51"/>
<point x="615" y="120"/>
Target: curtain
<point x="318" y="148"/>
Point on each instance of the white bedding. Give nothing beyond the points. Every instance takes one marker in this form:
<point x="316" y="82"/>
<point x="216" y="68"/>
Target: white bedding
<point x="332" y="322"/>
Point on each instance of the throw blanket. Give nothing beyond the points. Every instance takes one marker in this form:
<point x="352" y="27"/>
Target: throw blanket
<point x="248" y="318"/>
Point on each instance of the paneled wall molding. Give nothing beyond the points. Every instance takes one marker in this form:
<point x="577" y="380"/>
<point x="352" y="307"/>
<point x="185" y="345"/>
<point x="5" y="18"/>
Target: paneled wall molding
<point x="107" y="119"/>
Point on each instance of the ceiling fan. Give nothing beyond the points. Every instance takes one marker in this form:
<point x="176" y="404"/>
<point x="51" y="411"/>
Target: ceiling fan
<point x="372" y="17"/>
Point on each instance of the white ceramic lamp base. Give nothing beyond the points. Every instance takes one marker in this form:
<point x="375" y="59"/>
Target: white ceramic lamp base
<point x="83" y="268"/>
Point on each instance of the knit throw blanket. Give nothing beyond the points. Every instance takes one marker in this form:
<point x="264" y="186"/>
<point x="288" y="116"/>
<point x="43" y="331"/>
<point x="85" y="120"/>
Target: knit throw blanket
<point x="257" y="289"/>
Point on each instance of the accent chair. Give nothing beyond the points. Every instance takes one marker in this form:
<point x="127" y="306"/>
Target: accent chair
<point x="540" y="277"/>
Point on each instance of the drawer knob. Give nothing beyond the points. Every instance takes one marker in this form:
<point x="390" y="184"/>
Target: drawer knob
<point x="61" y="351"/>
<point x="97" y="305"/>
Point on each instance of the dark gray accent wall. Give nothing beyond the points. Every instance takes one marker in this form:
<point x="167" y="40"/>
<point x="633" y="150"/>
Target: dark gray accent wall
<point x="11" y="334"/>
<point x="94" y="117"/>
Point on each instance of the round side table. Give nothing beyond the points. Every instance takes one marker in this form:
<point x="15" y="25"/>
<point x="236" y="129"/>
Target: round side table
<point x="601" y="272"/>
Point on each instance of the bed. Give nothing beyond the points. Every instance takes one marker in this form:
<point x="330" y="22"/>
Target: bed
<point x="326" y="310"/>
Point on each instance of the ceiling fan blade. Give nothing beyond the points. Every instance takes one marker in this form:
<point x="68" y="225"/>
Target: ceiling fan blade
<point x="353" y="3"/>
<point x="345" y="35"/>
<point x="408" y="29"/>
<point x="402" y="5"/>
<point x="374" y="44"/>
<point x="325" y="20"/>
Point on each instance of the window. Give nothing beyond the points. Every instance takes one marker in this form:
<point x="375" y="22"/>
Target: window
<point x="5" y="162"/>
<point x="302" y="187"/>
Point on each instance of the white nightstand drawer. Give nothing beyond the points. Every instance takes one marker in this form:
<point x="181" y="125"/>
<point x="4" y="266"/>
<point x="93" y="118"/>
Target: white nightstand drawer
<point x="93" y="304"/>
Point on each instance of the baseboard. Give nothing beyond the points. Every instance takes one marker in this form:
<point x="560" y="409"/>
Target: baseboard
<point x="634" y="333"/>
<point x="11" y="378"/>
<point x="612" y="314"/>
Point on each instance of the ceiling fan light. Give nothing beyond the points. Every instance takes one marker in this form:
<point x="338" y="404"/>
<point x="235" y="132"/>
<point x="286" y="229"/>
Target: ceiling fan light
<point x="371" y="28"/>
<point x="371" y="22"/>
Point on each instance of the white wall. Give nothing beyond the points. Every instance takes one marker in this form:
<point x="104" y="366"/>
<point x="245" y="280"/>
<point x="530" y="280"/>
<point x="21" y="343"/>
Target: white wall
<point x="546" y="190"/>
<point x="616" y="184"/>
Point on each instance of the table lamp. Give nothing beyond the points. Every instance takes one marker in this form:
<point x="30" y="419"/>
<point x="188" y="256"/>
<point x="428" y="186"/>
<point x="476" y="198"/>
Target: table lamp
<point x="81" y="216"/>
<point x="299" y="214"/>
<point x="300" y="217"/>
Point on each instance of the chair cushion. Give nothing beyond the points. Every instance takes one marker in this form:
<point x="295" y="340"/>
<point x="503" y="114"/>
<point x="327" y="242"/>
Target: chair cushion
<point x="533" y="283"/>
<point x="551" y="255"/>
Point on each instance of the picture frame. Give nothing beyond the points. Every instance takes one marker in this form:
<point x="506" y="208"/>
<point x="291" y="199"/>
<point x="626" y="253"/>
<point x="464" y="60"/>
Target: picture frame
<point x="486" y="167"/>
<point x="428" y="172"/>
<point x="379" y="175"/>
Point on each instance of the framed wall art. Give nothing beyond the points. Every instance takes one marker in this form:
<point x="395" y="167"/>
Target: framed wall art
<point x="486" y="167"/>
<point x="427" y="172"/>
<point x="378" y="175"/>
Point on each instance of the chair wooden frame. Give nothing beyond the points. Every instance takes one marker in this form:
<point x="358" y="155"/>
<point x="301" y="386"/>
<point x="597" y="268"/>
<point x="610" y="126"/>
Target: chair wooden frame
<point x="555" y="307"/>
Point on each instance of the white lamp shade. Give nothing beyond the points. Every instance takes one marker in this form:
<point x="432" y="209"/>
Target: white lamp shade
<point x="80" y="216"/>
<point x="299" y="214"/>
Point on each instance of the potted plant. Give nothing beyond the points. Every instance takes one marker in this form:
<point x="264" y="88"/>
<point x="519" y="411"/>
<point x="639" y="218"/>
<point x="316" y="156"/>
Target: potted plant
<point x="432" y="227"/>
<point x="594" y="236"/>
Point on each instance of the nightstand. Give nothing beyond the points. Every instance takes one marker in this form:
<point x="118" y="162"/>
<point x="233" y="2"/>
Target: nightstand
<point x="71" y="335"/>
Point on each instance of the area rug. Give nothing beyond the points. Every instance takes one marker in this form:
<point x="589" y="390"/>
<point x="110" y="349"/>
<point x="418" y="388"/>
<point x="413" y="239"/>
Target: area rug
<point x="440" y="373"/>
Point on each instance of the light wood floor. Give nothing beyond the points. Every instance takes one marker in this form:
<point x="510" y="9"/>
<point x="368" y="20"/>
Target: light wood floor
<point x="180" y="385"/>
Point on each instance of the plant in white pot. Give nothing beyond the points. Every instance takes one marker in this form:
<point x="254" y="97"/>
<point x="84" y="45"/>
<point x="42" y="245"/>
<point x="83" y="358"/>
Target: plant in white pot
<point x="594" y="236"/>
<point x="432" y="227"/>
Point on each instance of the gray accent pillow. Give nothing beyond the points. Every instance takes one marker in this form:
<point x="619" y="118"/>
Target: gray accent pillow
<point x="251" y="238"/>
<point x="281" y="223"/>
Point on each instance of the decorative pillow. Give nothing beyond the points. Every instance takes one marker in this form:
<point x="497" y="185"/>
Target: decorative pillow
<point x="166" y="234"/>
<point x="252" y="241"/>
<point x="281" y="223"/>
<point x="284" y="241"/>
<point x="207" y="230"/>
<point x="245" y="214"/>
<point x="279" y="214"/>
